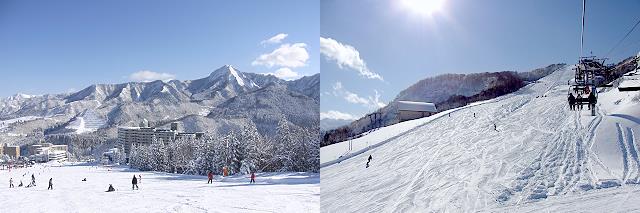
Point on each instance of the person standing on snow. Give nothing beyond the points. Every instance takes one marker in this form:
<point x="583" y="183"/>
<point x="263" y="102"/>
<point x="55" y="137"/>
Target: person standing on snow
<point x="134" y="183"/>
<point x="33" y="179"/>
<point x="495" y="127"/>
<point x="10" y="182"/>
<point x="139" y="178"/>
<point x="579" y="101"/>
<point x="572" y="101"/>
<point x="253" y="177"/>
<point x="210" y="176"/>
<point x="50" y="184"/>
<point x="592" y="101"/>
<point x="369" y="161"/>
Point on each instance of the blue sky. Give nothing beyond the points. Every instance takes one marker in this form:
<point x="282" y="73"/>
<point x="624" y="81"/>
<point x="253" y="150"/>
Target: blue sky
<point x="400" y="45"/>
<point x="59" y="46"/>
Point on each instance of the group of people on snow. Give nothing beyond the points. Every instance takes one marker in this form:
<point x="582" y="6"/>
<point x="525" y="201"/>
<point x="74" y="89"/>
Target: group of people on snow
<point x="32" y="184"/>
<point x="210" y="177"/>
<point x="576" y="102"/>
<point x="134" y="181"/>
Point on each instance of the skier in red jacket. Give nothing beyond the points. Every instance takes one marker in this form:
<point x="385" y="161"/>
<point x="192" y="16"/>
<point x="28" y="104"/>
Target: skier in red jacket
<point x="210" y="175"/>
<point x="253" y="177"/>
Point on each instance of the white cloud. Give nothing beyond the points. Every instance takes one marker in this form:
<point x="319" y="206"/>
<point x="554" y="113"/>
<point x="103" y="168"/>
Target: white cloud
<point x="275" y="39"/>
<point x="354" y="98"/>
<point x="376" y="100"/>
<point x="346" y="55"/>
<point x="336" y="115"/>
<point x="146" y="76"/>
<point x="371" y="102"/>
<point x="287" y="55"/>
<point x="285" y="73"/>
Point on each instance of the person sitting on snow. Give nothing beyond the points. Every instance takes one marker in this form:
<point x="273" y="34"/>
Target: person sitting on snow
<point x="111" y="189"/>
<point x="85" y="179"/>
<point x="20" y="185"/>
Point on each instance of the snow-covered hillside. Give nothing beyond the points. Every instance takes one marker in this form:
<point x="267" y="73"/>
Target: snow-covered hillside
<point x="539" y="152"/>
<point x="87" y="122"/>
<point x="158" y="192"/>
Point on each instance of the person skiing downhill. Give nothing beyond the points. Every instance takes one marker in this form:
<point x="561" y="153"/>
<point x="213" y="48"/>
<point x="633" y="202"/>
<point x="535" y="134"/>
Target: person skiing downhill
<point x="210" y="176"/>
<point x="253" y="177"/>
<point x="50" y="184"/>
<point x="33" y="179"/>
<point x="134" y="183"/>
<point x="495" y="127"/>
<point x="369" y="161"/>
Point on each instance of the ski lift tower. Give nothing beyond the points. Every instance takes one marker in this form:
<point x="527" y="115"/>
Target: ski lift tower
<point x="586" y="70"/>
<point x="584" y="80"/>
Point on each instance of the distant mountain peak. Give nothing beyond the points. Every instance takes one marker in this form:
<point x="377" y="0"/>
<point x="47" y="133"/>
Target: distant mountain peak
<point x="21" y="96"/>
<point x="232" y="74"/>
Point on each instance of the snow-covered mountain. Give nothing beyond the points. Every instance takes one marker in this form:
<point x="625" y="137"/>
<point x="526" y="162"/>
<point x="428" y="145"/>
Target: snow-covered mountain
<point x="160" y="102"/>
<point x="269" y="104"/>
<point x="539" y="157"/>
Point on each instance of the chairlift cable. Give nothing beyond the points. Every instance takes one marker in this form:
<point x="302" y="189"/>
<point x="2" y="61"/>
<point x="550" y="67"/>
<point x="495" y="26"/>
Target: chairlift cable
<point x="623" y="38"/>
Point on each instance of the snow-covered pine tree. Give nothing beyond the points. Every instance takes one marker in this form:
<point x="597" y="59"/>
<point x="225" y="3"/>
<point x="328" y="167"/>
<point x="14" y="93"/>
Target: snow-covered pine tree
<point x="237" y="153"/>
<point x="159" y="155"/>
<point x="253" y="141"/>
<point x="284" y="143"/>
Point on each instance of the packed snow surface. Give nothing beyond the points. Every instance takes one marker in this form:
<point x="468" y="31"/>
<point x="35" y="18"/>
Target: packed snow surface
<point x="538" y="156"/>
<point x="338" y="152"/>
<point x="159" y="192"/>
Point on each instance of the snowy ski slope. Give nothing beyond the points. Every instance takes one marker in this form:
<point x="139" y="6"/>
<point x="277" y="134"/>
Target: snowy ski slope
<point x="158" y="191"/>
<point x="541" y="151"/>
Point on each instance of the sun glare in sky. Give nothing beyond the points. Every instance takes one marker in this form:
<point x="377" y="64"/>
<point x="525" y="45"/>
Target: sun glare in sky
<point x="423" y="7"/>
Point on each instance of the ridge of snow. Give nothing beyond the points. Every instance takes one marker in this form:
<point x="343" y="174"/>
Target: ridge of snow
<point x="237" y="77"/>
